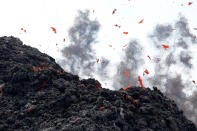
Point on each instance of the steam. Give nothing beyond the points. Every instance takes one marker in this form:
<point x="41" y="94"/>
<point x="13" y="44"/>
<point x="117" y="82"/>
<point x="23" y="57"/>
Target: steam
<point x="103" y="68"/>
<point x="131" y="63"/>
<point x="185" y="58"/>
<point x="183" y="29"/>
<point x="161" y="33"/>
<point x="171" y="74"/>
<point x="81" y="56"/>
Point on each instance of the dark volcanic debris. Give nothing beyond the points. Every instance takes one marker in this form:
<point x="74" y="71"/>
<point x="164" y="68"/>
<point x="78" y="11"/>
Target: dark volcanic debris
<point x="37" y="94"/>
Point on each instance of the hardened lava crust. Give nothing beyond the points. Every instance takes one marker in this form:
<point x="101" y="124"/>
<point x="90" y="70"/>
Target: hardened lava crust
<point x="36" y="94"/>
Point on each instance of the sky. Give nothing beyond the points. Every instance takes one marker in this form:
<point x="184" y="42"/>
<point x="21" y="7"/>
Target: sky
<point x="88" y="43"/>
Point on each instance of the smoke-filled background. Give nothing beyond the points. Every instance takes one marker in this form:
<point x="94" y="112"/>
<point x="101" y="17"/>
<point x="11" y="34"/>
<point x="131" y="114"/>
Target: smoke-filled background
<point x="115" y="41"/>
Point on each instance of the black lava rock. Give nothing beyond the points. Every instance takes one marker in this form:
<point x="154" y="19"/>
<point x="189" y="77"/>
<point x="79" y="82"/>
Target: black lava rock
<point x="37" y="94"/>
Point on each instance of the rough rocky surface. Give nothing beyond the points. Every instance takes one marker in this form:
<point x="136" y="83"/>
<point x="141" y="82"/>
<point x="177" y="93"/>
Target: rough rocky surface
<point x="36" y="94"/>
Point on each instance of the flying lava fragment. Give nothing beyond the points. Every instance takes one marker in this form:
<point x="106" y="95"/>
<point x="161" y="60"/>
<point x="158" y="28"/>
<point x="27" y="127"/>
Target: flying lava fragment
<point x="140" y="80"/>
<point x="126" y="33"/>
<point x="23" y="30"/>
<point x="54" y="30"/>
<point x="110" y="45"/>
<point x="195" y="28"/>
<point x="126" y="88"/>
<point x="146" y="71"/>
<point x="194" y="81"/>
<point x="97" y="60"/>
<point x="127" y="73"/>
<point x="141" y="21"/>
<point x="165" y="46"/>
<point x="149" y="57"/>
<point x="117" y="25"/>
<point x="189" y="3"/>
<point x="158" y="60"/>
<point x="125" y="45"/>
<point x="64" y="39"/>
<point x="114" y="11"/>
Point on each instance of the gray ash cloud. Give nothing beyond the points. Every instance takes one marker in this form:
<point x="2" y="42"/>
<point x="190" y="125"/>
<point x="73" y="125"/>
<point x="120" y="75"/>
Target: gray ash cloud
<point x="81" y="56"/>
<point x="131" y="62"/>
<point x="178" y="56"/>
